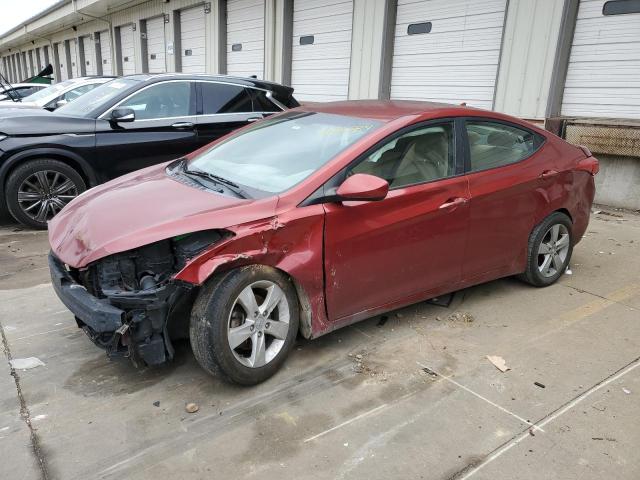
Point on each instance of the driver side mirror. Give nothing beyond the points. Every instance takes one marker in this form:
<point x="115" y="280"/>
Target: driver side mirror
<point x="120" y="115"/>
<point x="362" y="187"/>
<point x="61" y="103"/>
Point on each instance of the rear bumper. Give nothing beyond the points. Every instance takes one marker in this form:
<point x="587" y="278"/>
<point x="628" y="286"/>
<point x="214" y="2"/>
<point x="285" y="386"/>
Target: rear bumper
<point x="97" y="314"/>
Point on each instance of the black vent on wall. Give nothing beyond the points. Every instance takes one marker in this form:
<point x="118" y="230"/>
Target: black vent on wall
<point x="307" y="40"/>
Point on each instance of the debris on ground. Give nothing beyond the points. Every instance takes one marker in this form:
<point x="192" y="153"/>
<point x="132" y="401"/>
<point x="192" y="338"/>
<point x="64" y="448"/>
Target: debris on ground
<point x="191" y="408"/>
<point x="608" y="439"/>
<point x="568" y="271"/>
<point x="156" y="403"/>
<point x="458" y="317"/>
<point x="498" y="362"/>
<point x="538" y="384"/>
<point x="596" y="212"/>
<point x="430" y="372"/>
<point x="626" y="390"/>
<point x="383" y="320"/>
<point x="26" y="363"/>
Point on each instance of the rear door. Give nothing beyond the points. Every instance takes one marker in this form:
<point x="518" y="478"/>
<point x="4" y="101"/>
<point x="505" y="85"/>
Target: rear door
<point x="222" y="108"/>
<point x="164" y="128"/>
<point x="411" y="244"/>
<point x="508" y="183"/>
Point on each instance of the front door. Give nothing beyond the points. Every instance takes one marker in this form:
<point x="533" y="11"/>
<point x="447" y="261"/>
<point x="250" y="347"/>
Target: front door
<point x="164" y="129"/>
<point x="411" y="243"/>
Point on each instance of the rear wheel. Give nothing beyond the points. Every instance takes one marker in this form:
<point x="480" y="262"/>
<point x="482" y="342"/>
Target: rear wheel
<point x="549" y="250"/>
<point x="244" y="323"/>
<point x="37" y="190"/>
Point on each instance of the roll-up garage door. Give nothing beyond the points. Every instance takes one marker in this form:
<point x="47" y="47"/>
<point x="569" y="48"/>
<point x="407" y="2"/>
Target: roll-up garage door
<point x="62" y="62"/>
<point x="245" y="38"/>
<point x="105" y="52"/>
<point x="155" y="45"/>
<point x="603" y="78"/>
<point x="75" y="63"/>
<point x="30" y="63"/>
<point x="127" y="52"/>
<point x="41" y="57"/>
<point x="321" y="53"/>
<point x="89" y="49"/>
<point x="447" y="50"/>
<point x="192" y="40"/>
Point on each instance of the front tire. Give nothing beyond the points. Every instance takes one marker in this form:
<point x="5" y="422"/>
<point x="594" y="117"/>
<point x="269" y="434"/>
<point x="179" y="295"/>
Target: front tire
<point x="244" y="324"/>
<point x="549" y="250"/>
<point x="38" y="189"/>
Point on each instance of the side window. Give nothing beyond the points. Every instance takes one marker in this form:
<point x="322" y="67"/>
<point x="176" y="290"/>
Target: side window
<point x="261" y="102"/>
<point x="422" y="155"/>
<point x="162" y="100"/>
<point x="224" y="98"/>
<point x="496" y="144"/>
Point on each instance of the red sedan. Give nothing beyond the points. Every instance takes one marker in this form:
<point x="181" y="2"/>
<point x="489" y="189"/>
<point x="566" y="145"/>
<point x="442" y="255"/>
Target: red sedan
<point x="312" y="220"/>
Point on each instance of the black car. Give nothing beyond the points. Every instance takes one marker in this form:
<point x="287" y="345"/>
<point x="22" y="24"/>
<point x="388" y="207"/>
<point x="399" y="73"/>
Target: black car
<point x="47" y="159"/>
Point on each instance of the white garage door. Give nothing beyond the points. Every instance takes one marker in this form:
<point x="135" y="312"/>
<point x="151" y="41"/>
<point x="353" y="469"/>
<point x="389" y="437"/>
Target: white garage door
<point x="245" y="38"/>
<point x="89" y="48"/>
<point x="192" y="40"/>
<point x="105" y="52"/>
<point x="42" y="56"/>
<point x="62" y="62"/>
<point x="447" y="50"/>
<point x="321" y="53"/>
<point x="127" y="50"/>
<point x="155" y="45"/>
<point x="75" y="63"/>
<point x="603" y="79"/>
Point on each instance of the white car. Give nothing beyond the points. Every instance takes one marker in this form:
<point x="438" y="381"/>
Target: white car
<point x="59" y="94"/>
<point x="12" y="91"/>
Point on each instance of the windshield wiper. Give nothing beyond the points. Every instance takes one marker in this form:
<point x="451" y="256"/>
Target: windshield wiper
<point x="217" y="179"/>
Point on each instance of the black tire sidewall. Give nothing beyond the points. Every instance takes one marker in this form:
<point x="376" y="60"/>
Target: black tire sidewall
<point x="533" y="274"/>
<point x="27" y="169"/>
<point x="209" y="324"/>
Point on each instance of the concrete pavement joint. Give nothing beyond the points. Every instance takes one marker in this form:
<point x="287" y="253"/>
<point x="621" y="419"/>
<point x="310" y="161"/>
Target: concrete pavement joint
<point x="467" y="472"/>
<point x="467" y="389"/>
<point x="24" y="410"/>
<point x="582" y="290"/>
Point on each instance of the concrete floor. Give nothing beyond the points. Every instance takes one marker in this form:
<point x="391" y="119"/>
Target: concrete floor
<point x="81" y="416"/>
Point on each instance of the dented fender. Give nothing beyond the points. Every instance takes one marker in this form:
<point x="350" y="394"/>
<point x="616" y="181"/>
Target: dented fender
<point x="291" y="242"/>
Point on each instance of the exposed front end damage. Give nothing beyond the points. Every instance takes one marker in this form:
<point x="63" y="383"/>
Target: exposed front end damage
<point x="129" y="303"/>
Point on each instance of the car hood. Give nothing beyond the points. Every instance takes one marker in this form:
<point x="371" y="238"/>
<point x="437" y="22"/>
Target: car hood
<point x="41" y="122"/>
<point x="141" y="208"/>
<point x="18" y="105"/>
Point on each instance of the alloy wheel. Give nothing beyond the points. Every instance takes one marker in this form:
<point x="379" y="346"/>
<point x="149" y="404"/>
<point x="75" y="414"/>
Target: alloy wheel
<point x="258" y="323"/>
<point x="44" y="193"/>
<point x="553" y="250"/>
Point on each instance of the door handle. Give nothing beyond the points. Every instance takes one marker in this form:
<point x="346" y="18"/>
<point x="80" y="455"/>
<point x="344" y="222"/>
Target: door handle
<point x="548" y="173"/>
<point x="254" y="119"/>
<point x="182" y="125"/>
<point x="453" y="202"/>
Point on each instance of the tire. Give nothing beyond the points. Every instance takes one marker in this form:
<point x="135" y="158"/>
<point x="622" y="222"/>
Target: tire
<point x="544" y="269"/>
<point x="45" y="186"/>
<point x="220" y="317"/>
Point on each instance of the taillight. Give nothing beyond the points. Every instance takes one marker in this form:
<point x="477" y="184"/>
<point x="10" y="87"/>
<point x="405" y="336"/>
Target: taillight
<point x="589" y="164"/>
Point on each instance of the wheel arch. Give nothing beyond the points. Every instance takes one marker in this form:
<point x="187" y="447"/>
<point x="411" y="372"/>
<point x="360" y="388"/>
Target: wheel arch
<point x="71" y="159"/>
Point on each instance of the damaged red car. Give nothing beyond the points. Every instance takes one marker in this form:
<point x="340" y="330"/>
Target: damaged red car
<point x="311" y="220"/>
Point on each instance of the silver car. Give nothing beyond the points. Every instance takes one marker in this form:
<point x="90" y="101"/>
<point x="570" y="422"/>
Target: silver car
<point x="58" y="94"/>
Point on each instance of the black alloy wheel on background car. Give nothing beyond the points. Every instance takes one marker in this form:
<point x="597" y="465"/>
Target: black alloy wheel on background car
<point x="39" y="189"/>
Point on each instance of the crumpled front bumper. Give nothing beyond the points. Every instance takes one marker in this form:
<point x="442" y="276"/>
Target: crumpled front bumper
<point x="96" y="313"/>
<point x="131" y="324"/>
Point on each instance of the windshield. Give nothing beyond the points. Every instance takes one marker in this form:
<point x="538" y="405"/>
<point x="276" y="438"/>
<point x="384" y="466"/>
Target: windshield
<point x="277" y="153"/>
<point x="47" y="93"/>
<point x="97" y="97"/>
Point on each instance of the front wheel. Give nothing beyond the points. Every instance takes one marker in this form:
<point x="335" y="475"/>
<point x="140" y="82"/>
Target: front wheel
<point x="37" y="190"/>
<point x="244" y="323"/>
<point x="549" y="250"/>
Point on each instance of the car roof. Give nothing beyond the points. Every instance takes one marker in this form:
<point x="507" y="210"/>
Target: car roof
<point x="244" y="81"/>
<point x="387" y="110"/>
